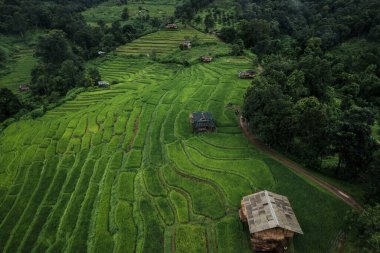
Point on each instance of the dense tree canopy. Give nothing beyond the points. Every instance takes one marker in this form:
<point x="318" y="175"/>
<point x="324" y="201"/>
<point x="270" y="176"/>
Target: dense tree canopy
<point x="9" y="104"/>
<point x="312" y="100"/>
<point x="366" y="228"/>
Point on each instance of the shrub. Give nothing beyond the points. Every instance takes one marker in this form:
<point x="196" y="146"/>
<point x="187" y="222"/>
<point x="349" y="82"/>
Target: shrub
<point x="37" y="112"/>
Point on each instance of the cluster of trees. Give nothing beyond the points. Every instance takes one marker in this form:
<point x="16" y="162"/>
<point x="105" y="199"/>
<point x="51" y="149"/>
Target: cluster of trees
<point x="9" y="104"/>
<point x="310" y="100"/>
<point x="18" y="16"/>
<point x="188" y="9"/>
<point x="215" y="16"/>
<point x="365" y="226"/>
<point x="332" y="21"/>
<point x="59" y="69"/>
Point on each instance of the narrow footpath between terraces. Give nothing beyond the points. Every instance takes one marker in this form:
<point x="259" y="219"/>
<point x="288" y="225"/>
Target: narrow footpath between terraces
<point x="294" y="166"/>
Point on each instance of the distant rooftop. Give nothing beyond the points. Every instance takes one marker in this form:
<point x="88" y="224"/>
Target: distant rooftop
<point x="267" y="210"/>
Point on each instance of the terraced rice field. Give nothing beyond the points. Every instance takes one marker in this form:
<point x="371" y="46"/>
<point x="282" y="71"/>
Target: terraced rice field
<point x="111" y="11"/>
<point x="118" y="170"/>
<point x="163" y="42"/>
<point x="21" y="68"/>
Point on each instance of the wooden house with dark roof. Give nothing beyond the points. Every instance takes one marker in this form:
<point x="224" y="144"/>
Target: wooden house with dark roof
<point x="271" y="221"/>
<point x="172" y="26"/>
<point x="23" y="87"/>
<point x="185" y="45"/>
<point x="247" y="74"/>
<point x="206" y="59"/>
<point x="202" y="122"/>
<point x="103" y="84"/>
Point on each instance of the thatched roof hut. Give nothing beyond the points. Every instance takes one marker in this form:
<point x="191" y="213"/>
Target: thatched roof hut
<point x="271" y="221"/>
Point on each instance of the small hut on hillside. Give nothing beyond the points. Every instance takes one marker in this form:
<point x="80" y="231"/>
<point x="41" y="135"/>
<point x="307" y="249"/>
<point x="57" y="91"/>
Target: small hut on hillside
<point x="202" y="122"/>
<point x="103" y="84"/>
<point x="206" y="59"/>
<point x="271" y="221"/>
<point x="185" y="45"/>
<point x="172" y="26"/>
<point x="247" y="74"/>
<point x="23" y="87"/>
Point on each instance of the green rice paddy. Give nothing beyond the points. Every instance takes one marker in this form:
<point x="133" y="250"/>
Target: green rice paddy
<point x="119" y="170"/>
<point x="165" y="42"/>
<point x="23" y="62"/>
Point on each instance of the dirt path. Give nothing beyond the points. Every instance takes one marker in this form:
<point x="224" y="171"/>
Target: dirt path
<point x="294" y="166"/>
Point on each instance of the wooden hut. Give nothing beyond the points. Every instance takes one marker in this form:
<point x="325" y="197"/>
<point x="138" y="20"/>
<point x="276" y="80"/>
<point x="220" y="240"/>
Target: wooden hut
<point x="103" y="84"/>
<point x="271" y="221"/>
<point x="247" y="74"/>
<point x="185" y="45"/>
<point x="202" y="122"/>
<point x="206" y="59"/>
<point x="172" y="26"/>
<point x="23" y="87"/>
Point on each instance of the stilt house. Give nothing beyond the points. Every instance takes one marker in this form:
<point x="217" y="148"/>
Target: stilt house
<point x="172" y="26"/>
<point x="185" y="45"/>
<point x="206" y="59"/>
<point x="271" y="221"/>
<point x="202" y="122"/>
<point x="103" y="84"/>
<point x="247" y="74"/>
<point x="23" y="87"/>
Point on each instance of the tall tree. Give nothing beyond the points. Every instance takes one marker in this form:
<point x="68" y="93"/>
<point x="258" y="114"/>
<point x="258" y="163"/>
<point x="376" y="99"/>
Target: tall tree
<point x="354" y="143"/>
<point x="209" y="22"/>
<point x="53" y="48"/>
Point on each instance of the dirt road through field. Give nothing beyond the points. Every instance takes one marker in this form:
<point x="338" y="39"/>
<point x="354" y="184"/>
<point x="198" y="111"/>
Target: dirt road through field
<point x="294" y="166"/>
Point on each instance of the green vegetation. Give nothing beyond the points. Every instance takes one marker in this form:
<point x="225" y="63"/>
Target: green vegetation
<point x="190" y="238"/>
<point x="163" y="42"/>
<point x="118" y="169"/>
<point x="111" y="11"/>
<point x="231" y="236"/>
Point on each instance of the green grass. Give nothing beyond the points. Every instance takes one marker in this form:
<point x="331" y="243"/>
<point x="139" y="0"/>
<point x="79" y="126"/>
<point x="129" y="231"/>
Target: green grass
<point x="231" y="236"/>
<point x="181" y="206"/>
<point x="120" y="170"/>
<point x="20" y="61"/>
<point x="190" y="239"/>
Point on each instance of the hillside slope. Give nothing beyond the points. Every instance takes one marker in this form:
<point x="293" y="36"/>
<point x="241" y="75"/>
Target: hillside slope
<point x="120" y="169"/>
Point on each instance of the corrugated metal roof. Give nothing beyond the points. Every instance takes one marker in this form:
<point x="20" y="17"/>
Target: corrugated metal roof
<point x="267" y="210"/>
